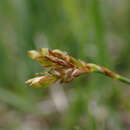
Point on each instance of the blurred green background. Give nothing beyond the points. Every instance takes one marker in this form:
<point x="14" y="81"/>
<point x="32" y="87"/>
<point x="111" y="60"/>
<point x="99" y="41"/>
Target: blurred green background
<point x="95" y="31"/>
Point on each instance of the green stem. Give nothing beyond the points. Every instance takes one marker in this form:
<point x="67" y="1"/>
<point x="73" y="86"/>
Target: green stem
<point x="124" y="79"/>
<point x="107" y="72"/>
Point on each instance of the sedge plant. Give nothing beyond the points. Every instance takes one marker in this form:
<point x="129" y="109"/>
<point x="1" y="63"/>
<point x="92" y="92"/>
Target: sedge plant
<point x="64" y="68"/>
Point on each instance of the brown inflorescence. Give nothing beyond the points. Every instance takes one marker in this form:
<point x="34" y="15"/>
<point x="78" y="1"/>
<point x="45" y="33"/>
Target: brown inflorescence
<point x="63" y="68"/>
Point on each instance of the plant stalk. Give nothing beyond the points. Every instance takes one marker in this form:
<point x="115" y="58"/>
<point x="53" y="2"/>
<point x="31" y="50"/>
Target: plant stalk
<point x="108" y="72"/>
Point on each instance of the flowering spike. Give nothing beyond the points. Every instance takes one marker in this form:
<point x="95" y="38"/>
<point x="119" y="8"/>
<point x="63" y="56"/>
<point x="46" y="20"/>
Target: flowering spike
<point x="64" y="68"/>
<point x="43" y="81"/>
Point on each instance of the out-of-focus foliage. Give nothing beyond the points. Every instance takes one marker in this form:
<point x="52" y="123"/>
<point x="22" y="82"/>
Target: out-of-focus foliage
<point x="93" y="30"/>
